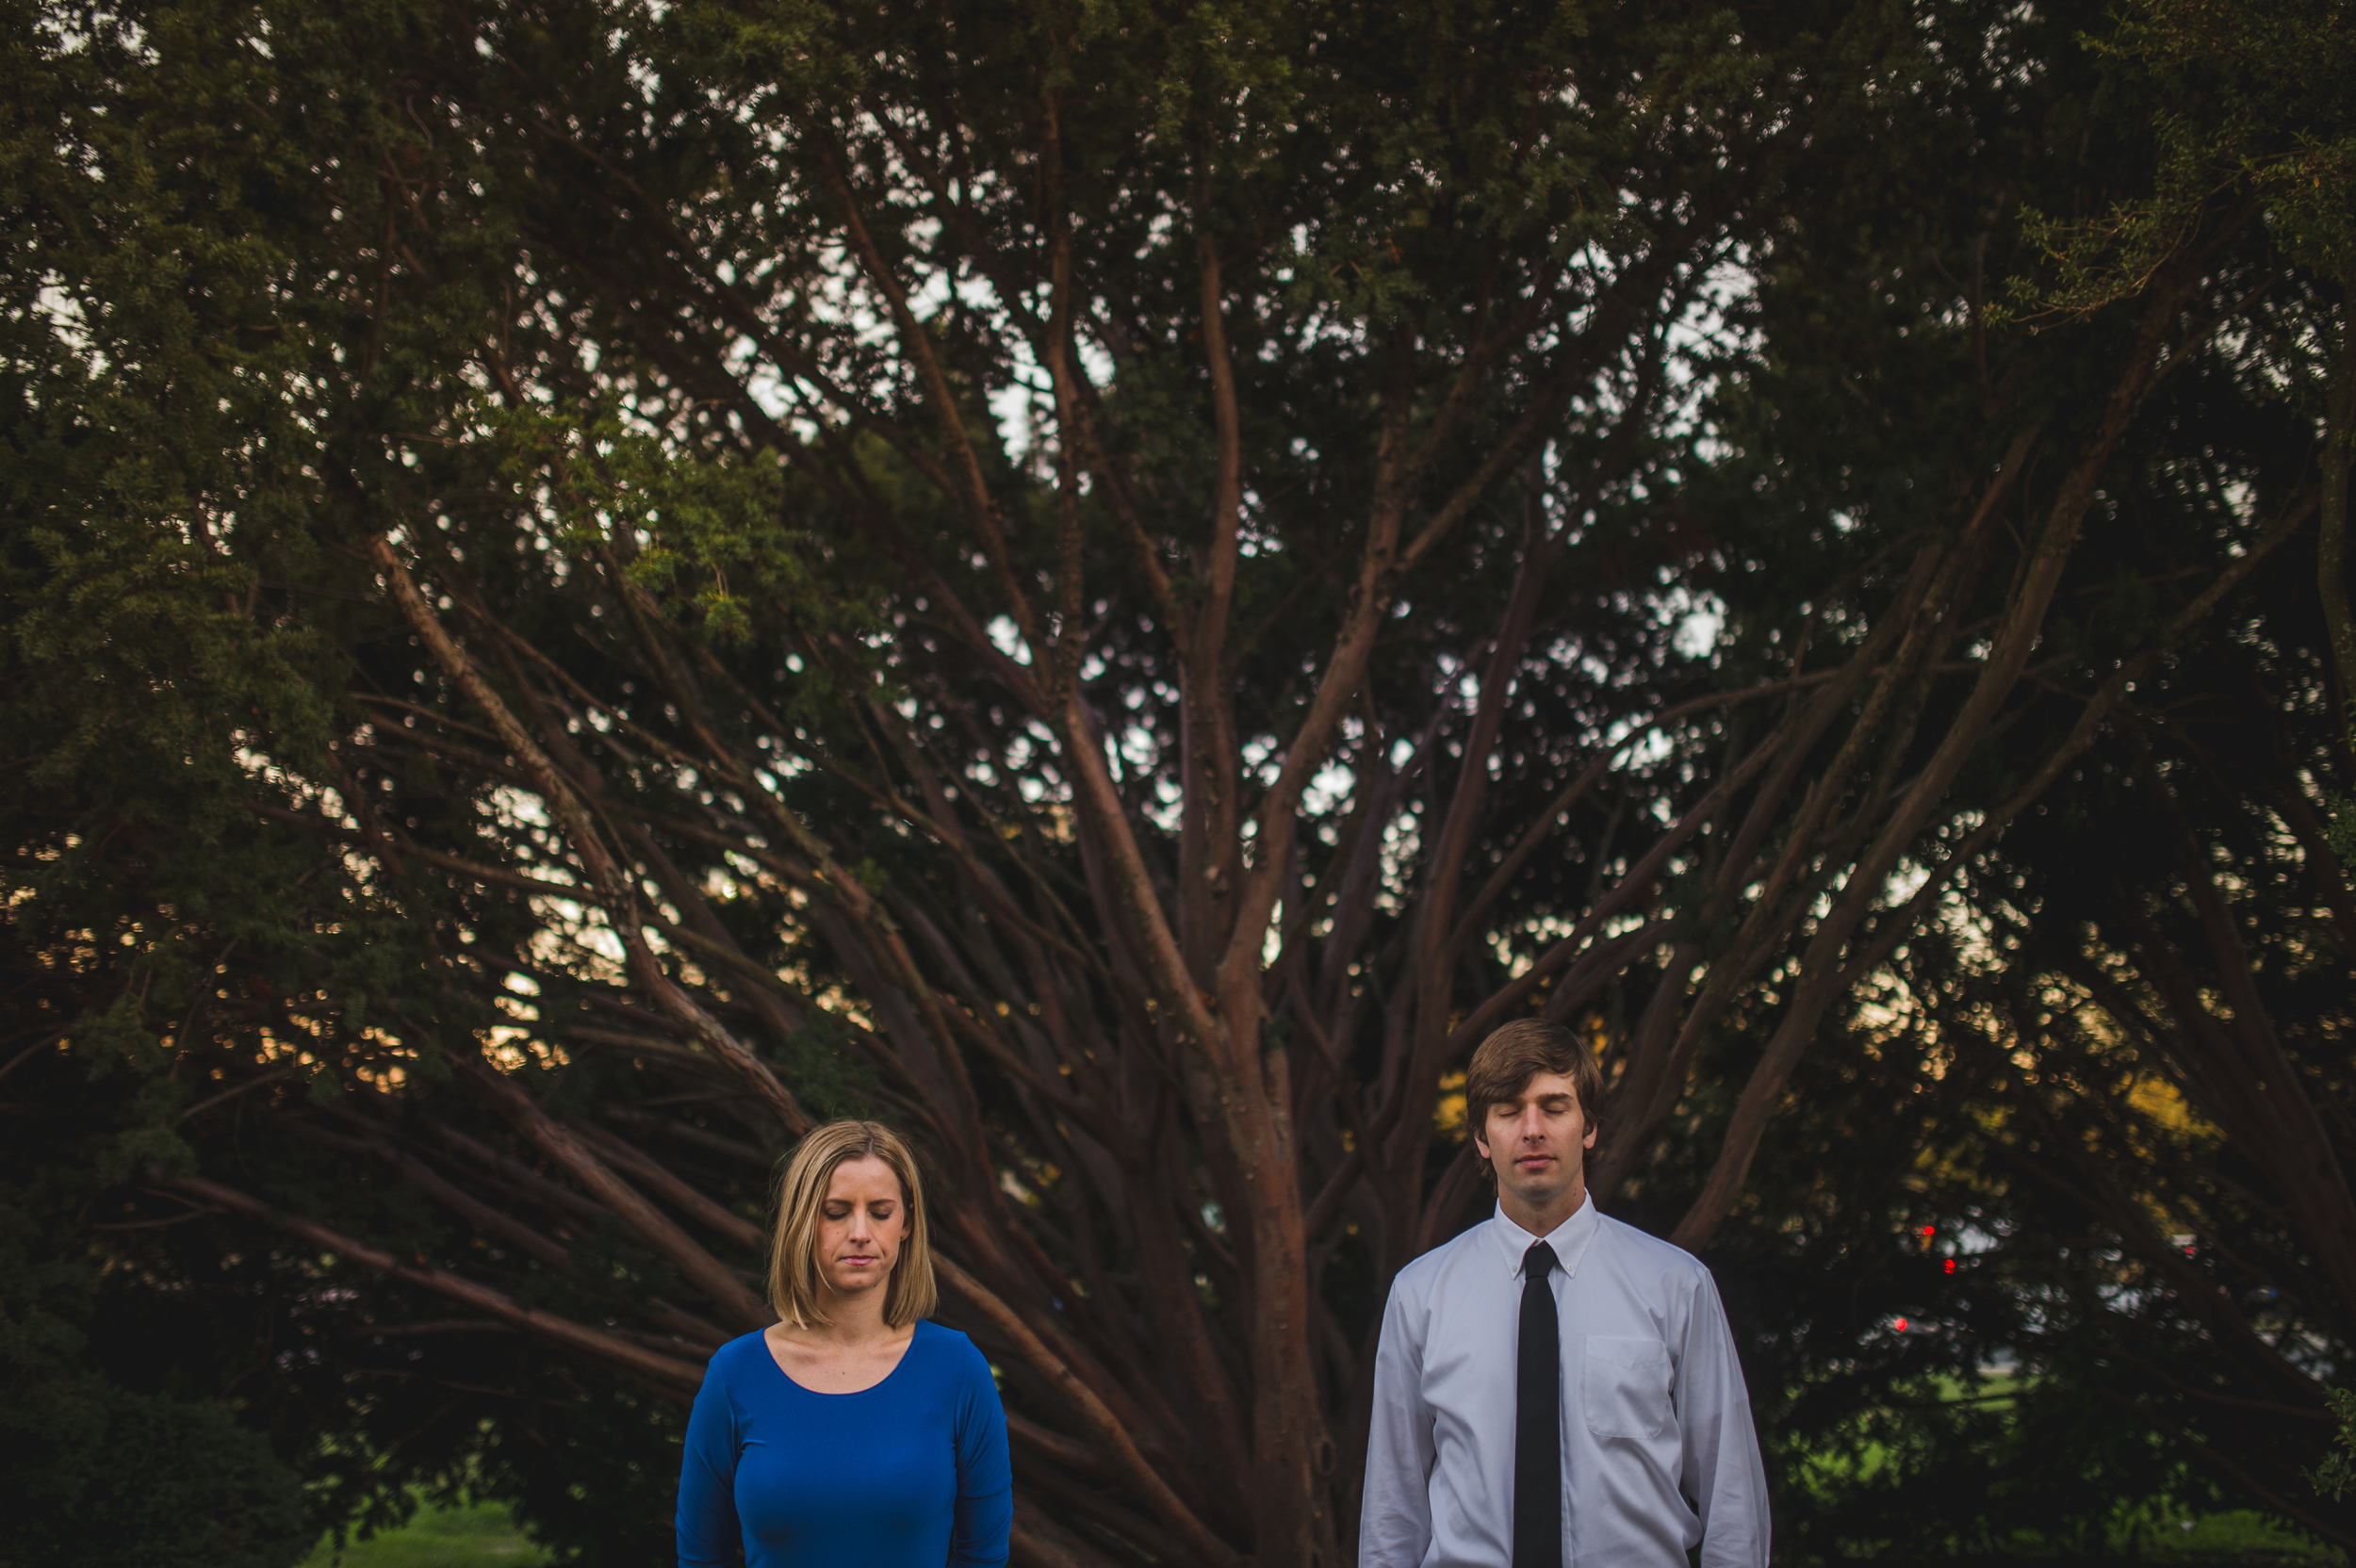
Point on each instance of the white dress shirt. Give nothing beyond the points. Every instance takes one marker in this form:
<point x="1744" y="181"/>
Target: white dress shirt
<point x="1654" y="1412"/>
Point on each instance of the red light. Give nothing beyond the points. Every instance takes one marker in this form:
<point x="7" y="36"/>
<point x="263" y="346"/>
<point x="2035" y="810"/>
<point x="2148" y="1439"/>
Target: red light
<point x="1930" y="1230"/>
<point x="1951" y="1266"/>
<point x="1902" y="1325"/>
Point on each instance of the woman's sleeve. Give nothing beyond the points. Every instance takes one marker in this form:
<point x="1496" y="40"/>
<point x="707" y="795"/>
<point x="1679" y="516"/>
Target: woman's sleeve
<point x="709" y="1536"/>
<point x="985" y="1475"/>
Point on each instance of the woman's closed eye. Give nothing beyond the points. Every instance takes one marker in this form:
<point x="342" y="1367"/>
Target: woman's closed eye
<point x="877" y="1212"/>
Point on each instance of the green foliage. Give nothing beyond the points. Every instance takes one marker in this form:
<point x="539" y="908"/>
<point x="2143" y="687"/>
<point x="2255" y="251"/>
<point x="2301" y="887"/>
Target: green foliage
<point x="92" y="1473"/>
<point x="2340" y="824"/>
<point x="2336" y="1475"/>
<point x="2260" y="91"/>
<point x="2251" y="113"/>
<point x="99" y="1476"/>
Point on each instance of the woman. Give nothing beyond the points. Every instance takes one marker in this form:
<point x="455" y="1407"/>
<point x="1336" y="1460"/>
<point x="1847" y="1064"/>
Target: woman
<point x="850" y="1433"/>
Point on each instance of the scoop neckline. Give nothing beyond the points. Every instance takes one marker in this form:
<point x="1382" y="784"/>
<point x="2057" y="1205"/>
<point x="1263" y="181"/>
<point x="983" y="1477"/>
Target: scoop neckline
<point x="770" y="1356"/>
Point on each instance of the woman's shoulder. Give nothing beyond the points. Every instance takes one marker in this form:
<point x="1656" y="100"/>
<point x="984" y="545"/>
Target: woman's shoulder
<point x="742" y="1354"/>
<point x="950" y="1351"/>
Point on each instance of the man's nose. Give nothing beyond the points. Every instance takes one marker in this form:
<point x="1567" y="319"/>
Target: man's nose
<point x="1534" y="1123"/>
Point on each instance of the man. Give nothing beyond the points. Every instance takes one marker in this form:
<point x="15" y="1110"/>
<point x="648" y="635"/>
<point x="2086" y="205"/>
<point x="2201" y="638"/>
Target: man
<point x="1555" y="1389"/>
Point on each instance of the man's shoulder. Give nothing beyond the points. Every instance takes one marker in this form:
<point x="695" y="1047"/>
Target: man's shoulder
<point x="1418" y="1276"/>
<point x="1643" y="1252"/>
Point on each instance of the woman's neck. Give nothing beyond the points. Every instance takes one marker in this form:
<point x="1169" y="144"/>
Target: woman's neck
<point x="854" y="1318"/>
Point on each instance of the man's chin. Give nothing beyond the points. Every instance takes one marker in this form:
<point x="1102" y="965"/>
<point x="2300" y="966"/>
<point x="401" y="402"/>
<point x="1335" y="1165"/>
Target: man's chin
<point x="1538" y="1188"/>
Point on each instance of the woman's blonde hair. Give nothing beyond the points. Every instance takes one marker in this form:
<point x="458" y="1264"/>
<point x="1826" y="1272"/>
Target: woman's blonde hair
<point x="910" y="1293"/>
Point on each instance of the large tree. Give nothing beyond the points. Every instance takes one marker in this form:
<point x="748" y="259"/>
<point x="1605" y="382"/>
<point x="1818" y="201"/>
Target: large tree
<point x="1116" y="586"/>
<point x="2162" y="990"/>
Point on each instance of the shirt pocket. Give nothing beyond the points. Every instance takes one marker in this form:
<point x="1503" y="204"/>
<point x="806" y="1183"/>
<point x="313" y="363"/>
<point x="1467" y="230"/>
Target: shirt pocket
<point x="1625" y="1386"/>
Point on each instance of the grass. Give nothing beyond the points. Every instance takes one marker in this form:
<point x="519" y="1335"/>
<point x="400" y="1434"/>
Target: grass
<point x="2241" y="1537"/>
<point x="481" y="1536"/>
<point x="485" y="1535"/>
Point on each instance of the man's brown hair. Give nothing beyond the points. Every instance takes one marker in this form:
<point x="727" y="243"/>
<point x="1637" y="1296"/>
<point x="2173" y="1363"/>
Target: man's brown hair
<point x="1503" y="1064"/>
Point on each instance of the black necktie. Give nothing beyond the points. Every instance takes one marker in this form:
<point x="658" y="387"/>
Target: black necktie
<point x="1538" y="1420"/>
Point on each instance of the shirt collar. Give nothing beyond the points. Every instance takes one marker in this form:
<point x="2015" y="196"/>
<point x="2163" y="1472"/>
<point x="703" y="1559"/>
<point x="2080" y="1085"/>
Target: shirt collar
<point x="1568" y="1239"/>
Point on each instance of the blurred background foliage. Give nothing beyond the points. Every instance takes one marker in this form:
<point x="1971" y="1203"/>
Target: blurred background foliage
<point x="2051" y="1241"/>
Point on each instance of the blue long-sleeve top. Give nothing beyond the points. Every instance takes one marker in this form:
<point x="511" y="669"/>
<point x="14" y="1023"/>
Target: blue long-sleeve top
<point x="911" y="1473"/>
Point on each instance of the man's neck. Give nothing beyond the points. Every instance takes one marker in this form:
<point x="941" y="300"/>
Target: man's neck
<point x="1542" y="1222"/>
